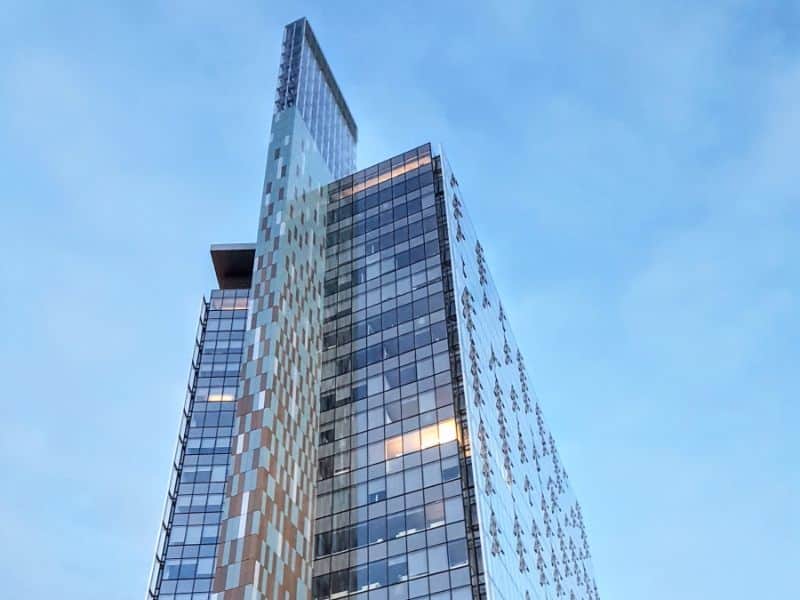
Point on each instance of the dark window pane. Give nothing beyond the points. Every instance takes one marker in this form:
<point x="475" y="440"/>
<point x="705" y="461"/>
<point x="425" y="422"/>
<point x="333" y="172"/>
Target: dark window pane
<point x="391" y="379"/>
<point x="359" y="535"/>
<point x="416" y="254"/>
<point x="438" y="331"/>
<point x="404" y="313"/>
<point x="395" y="525"/>
<point x="325" y="467"/>
<point x="390" y="348"/>
<point x="389" y="319"/>
<point x="420" y="307"/>
<point x="322" y="587"/>
<point x="326" y="436"/>
<point x="397" y="569"/>
<point x="408" y="374"/>
<point x="377" y="573"/>
<point x="326" y="402"/>
<point x="374" y="354"/>
<point x="340" y="582"/>
<point x="373" y="325"/>
<point x="341" y="540"/>
<point x="324" y="543"/>
<point x="359" y="578"/>
<point x="415" y="520"/>
<point x="457" y="553"/>
<point x="405" y="343"/>
<point x="377" y="530"/>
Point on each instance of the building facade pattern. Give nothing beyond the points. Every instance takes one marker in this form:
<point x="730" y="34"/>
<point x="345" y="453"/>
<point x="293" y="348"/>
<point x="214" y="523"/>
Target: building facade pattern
<point x="305" y="81"/>
<point x="390" y="491"/>
<point x="187" y="541"/>
<point x="266" y="543"/>
<point x="533" y="535"/>
<point x="360" y="422"/>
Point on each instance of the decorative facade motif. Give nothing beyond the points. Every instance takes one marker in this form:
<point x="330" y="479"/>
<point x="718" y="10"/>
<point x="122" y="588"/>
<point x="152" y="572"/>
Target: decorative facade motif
<point x="531" y="505"/>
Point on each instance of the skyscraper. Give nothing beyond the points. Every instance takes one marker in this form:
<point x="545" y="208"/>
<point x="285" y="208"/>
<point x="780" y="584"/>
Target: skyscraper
<point x="359" y="421"/>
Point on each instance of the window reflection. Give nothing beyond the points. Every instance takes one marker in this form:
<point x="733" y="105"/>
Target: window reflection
<point x="427" y="437"/>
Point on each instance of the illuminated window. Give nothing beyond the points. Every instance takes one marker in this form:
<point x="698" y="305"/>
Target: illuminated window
<point x="430" y="436"/>
<point x="447" y="431"/>
<point x="220" y="398"/>
<point x="427" y="437"/>
<point x="411" y="442"/>
<point x="394" y="447"/>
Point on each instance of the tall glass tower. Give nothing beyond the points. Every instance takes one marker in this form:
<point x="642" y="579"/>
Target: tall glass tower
<point x="359" y="421"/>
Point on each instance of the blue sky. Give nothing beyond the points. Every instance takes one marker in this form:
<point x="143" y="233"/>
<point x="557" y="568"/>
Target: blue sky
<point x="632" y="171"/>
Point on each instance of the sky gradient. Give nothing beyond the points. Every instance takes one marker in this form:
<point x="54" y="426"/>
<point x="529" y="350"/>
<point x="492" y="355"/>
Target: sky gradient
<point x="631" y="168"/>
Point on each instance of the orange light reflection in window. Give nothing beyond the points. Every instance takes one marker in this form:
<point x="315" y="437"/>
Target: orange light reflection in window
<point x="427" y="437"/>
<point x="397" y="171"/>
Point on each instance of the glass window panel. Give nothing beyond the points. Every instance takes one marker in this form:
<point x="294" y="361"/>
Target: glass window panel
<point x="463" y="593"/>
<point x="397" y="569"/>
<point x="377" y="573"/>
<point x="375" y="418"/>
<point x="324" y="543"/>
<point x="410" y="407"/>
<point x="434" y="514"/>
<point x="394" y="447"/>
<point x="427" y="401"/>
<point x="394" y="485"/>
<point x="376" y="453"/>
<point x="205" y="567"/>
<point x="457" y="553"/>
<point x="340" y="582"/>
<point x="341" y="540"/>
<point x="417" y="563"/>
<point x="432" y="473"/>
<point x="447" y="431"/>
<point x="430" y="436"/>
<point x="393" y="413"/>
<point x="437" y="558"/>
<point x="358" y="494"/>
<point x="376" y="490"/>
<point x="450" y="468"/>
<point x="395" y="525"/>
<point x="413" y="479"/>
<point x="411" y="442"/>
<point x="178" y="534"/>
<point x="377" y="530"/>
<point x="394" y="465"/>
<point x="359" y="578"/>
<point x="424" y="368"/>
<point x="341" y="500"/>
<point x="415" y="520"/>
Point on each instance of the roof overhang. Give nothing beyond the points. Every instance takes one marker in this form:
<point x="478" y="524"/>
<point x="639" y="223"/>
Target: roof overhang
<point x="233" y="264"/>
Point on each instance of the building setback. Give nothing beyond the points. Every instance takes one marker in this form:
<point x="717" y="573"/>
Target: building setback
<point x="359" y="421"/>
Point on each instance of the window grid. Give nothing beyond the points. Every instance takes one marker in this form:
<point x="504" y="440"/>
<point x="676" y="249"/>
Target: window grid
<point x="390" y="493"/>
<point x="185" y="566"/>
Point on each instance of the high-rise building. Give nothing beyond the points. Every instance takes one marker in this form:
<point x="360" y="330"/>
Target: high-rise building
<point x="359" y="421"/>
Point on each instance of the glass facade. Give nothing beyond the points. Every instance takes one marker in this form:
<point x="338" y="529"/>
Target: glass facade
<point x="531" y="525"/>
<point x="437" y="476"/>
<point x="391" y="509"/>
<point x="266" y="538"/>
<point x="306" y="82"/>
<point x="184" y="564"/>
<point x="360" y="422"/>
